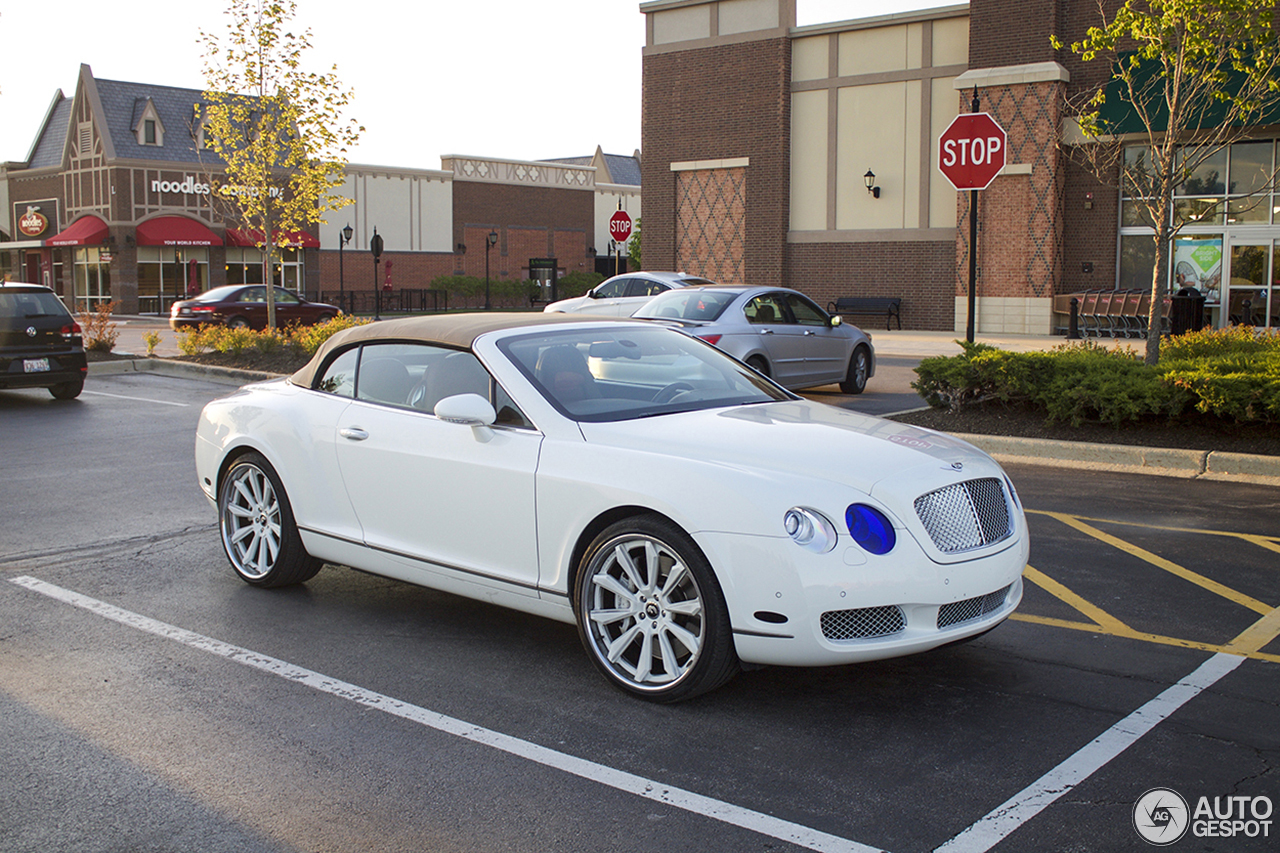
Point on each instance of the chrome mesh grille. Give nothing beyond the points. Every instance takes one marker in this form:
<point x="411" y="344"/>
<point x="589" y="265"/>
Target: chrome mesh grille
<point x="966" y="515"/>
<point x="971" y="608"/>
<point x="862" y="623"/>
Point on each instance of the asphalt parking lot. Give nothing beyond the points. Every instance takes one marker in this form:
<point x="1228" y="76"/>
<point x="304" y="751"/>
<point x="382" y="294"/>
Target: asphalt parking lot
<point x="150" y="700"/>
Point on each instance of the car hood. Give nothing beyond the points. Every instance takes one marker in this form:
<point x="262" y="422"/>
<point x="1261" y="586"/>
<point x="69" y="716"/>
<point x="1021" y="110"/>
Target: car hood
<point x="795" y="438"/>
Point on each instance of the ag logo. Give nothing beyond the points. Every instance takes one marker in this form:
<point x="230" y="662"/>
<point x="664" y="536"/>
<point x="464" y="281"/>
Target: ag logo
<point x="1160" y="816"/>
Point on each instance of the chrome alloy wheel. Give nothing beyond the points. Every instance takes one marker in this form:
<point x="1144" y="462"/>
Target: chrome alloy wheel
<point x="644" y="611"/>
<point x="251" y="522"/>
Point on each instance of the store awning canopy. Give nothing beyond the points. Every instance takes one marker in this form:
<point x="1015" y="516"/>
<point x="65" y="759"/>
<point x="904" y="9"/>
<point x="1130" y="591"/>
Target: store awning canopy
<point x="85" y="231"/>
<point x="175" y="231"/>
<point x="288" y="239"/>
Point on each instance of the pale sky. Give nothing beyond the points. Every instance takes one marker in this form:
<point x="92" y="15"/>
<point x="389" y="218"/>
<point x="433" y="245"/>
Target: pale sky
<point x="514" y="79"/>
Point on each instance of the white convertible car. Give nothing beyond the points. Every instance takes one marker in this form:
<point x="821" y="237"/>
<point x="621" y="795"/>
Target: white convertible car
<point x="685" y="512"/>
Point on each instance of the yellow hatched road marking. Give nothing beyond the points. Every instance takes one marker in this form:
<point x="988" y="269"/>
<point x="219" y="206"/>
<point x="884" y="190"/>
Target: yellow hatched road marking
<point x="1161" y="563"/>
<point x="1271" y="543"/>
<point x="1147" y="638"/>
<point x="1104" y="620"/>
<point x="1257" y="635"/>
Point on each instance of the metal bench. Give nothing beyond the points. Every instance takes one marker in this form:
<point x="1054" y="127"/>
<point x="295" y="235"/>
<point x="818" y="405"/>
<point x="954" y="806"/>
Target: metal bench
<point x="888" y="306"/>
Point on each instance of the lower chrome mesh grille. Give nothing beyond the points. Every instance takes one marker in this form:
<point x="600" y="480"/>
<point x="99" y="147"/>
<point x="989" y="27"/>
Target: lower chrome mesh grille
<point x="863" y="623"/>
<point x="971" y="608"/>
<point x="965" y="516"/>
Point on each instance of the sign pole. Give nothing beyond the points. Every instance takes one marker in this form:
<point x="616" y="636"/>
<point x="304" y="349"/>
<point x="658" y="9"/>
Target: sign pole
<point x="973" y="248"/>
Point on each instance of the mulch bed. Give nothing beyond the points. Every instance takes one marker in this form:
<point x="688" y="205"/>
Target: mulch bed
<point x="1194" y="432"/>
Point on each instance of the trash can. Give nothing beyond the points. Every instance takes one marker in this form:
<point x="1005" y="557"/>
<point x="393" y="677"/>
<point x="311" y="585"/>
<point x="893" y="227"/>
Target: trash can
<point x="1186" y="311"/>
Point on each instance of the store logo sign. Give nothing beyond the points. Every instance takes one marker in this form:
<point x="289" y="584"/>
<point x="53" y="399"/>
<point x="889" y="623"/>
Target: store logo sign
<point x="33" y="223"/>
<point x="189" y="186"/>
<point x="1162" y="816"/>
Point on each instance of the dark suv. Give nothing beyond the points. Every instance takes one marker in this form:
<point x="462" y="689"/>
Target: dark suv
<point x="40" y="343"/>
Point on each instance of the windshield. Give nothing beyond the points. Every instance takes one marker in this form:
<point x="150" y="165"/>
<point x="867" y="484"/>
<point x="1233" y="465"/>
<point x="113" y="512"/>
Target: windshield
<point x="686" y="304"/>
<point x="615" y="375"/>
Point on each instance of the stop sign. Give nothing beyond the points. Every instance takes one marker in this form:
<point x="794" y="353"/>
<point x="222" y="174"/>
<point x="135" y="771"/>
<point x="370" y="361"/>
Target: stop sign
<point x="620" y="226"/>
<point x="971" y="151"/>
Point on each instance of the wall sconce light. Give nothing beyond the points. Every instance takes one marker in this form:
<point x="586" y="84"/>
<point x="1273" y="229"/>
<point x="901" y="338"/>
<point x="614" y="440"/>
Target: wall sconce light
<point x="1088" y="201"/>
<point x="870" y="180"/>
<point x="462" y="248"/>
<point x="591" y="251"/>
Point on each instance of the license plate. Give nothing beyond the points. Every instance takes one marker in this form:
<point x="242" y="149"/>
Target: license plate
<point x="35" y="365"/>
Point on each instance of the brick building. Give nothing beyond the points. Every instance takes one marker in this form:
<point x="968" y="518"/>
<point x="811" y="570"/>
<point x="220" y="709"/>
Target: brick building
<point x="758" y="135"/>
<point x="113" y="203"/>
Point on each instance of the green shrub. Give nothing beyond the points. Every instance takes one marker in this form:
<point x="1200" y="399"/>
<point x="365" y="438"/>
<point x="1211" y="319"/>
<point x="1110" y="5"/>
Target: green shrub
<point x="1074" y="383"/>
<point x="576" y="283"/>
<point x="1232" y="373"/>
<point x="192" y="341"/>
<point x="308" y="339"/>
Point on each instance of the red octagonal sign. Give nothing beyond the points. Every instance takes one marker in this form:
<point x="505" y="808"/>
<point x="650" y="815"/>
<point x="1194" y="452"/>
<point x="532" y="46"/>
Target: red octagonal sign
<point x="620" y="226"/>
<point x="971" y="151"/>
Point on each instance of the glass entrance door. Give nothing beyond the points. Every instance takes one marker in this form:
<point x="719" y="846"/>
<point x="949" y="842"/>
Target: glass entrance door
<point x="1251" y="288"/>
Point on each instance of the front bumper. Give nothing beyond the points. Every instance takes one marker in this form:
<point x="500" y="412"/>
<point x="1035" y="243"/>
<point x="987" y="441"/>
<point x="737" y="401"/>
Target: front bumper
<point x="789" y="607"/>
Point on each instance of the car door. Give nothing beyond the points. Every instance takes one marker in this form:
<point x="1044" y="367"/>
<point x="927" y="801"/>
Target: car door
<point x="826" y="348"/>
<point x="640" y="291"/>
<point x="768" y="316"/>
<point x="446" y="498"/>
<point x="288" y="308"/>
<point x="609" y="298"/>
<point x="251" y="304"/>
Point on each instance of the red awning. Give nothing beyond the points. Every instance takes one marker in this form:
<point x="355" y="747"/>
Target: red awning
<point x="175" y="231"/>
<point x="289" y="239"/>
<point x="85" y="231"/>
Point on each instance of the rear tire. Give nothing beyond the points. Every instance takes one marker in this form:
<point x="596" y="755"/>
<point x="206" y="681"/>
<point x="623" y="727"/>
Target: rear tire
<point x="855" y="381"/>
<point x="759" y="365"/>
<point x="651" y="613"/>
<point x="259" y="534"/>
<point x="237" y="323"/>
<point x="67" y="390"/>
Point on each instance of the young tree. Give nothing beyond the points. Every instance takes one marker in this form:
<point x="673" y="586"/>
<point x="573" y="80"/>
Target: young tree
<point x="279" y="130"/>
<point x="1188" y="78"/>
<point x="633" y="251"/>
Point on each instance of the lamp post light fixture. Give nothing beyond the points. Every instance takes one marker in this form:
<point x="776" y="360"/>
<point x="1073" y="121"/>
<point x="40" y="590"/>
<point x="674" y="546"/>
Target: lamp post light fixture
<point x="870" y="180"/>
<point x="488" y="244"/>
<point x="344" y="237"/>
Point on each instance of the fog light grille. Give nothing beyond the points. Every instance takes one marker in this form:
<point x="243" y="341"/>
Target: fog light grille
<point x="863" y="623"/>
<point x="971" y="608"/>
<point x="965" y="516"/>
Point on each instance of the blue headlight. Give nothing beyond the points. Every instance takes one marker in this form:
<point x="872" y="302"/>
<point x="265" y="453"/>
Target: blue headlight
<point x="870" y="528"/>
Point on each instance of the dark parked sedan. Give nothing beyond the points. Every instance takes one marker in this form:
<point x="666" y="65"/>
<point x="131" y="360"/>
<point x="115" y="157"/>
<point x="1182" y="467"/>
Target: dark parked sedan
<point x="40" y="342"/>
<point x="243" y="306"/>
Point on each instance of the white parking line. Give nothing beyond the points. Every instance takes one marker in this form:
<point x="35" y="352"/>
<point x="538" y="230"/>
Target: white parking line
<point x="139" y="399"/>
<point x="1014" y="812"/>
<point x="792" y="833"/>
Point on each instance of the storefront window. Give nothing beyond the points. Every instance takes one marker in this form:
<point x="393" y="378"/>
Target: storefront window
<point x="1197" y="263"/>
<point x="244" y="266"/>
<point x="1200" y="198"/>
<point x="1250" y="183"/>
<point x="1137" y="261"/>
<point x="166" y="275"/>
<point x="92" y="278"/>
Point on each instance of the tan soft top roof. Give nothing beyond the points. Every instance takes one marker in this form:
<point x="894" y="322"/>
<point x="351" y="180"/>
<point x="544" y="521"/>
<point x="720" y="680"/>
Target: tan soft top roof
<point x="455" y="330"/>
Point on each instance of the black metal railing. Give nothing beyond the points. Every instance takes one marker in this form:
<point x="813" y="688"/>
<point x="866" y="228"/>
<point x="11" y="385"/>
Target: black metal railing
<point x="405" y="300"/>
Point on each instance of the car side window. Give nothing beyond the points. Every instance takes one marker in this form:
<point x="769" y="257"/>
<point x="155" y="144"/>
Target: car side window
<point x="418" y="376"/>
<point x="766" y="309"/>
<point x="643" y="287"/>
<point x="612" y="289"/>
<point x="252" y="294"/>
<point x="806" y="313"/>
<point x="340" y="376"/>
<point x="284" y="297"/>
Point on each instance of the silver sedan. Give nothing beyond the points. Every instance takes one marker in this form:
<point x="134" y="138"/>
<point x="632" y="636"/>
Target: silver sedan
<point x="780" y="332"/>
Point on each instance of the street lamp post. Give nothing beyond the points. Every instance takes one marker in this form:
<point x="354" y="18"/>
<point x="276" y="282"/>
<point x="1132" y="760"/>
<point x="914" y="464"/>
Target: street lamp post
<point x="488" y="244"/>
<point x="344" y="237"/>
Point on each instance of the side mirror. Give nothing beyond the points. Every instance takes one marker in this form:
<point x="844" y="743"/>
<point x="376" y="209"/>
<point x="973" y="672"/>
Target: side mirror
<point x="593" y="293"/>
<point x="836" y="320"/>
<point x="468" y="410"/>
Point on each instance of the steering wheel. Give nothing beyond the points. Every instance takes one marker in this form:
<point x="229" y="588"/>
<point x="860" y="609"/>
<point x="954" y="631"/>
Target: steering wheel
<point x="669" y="393"/>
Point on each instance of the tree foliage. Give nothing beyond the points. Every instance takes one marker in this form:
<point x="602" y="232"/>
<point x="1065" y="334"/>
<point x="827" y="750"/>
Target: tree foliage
<point x="633" y="251"/>
<point x="1192" y="76"/>
<point x="279" y="130"/>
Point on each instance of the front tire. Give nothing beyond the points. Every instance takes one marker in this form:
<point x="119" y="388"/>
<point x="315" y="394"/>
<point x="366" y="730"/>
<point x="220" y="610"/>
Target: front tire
<point x="258" y="530"/>
<point x="855" y="381"/>
<point x="651" y="613"/>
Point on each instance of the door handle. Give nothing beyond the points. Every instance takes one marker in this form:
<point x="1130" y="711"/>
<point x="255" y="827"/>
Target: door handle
<point x="766" y="331"/>
<point x="809" y="333"/>
<point x="353" y="433"/>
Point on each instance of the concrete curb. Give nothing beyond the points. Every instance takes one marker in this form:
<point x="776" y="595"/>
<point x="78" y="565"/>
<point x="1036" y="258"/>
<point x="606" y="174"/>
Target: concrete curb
<point x="1161" y="461"/>
<point x="181" y="370"/>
